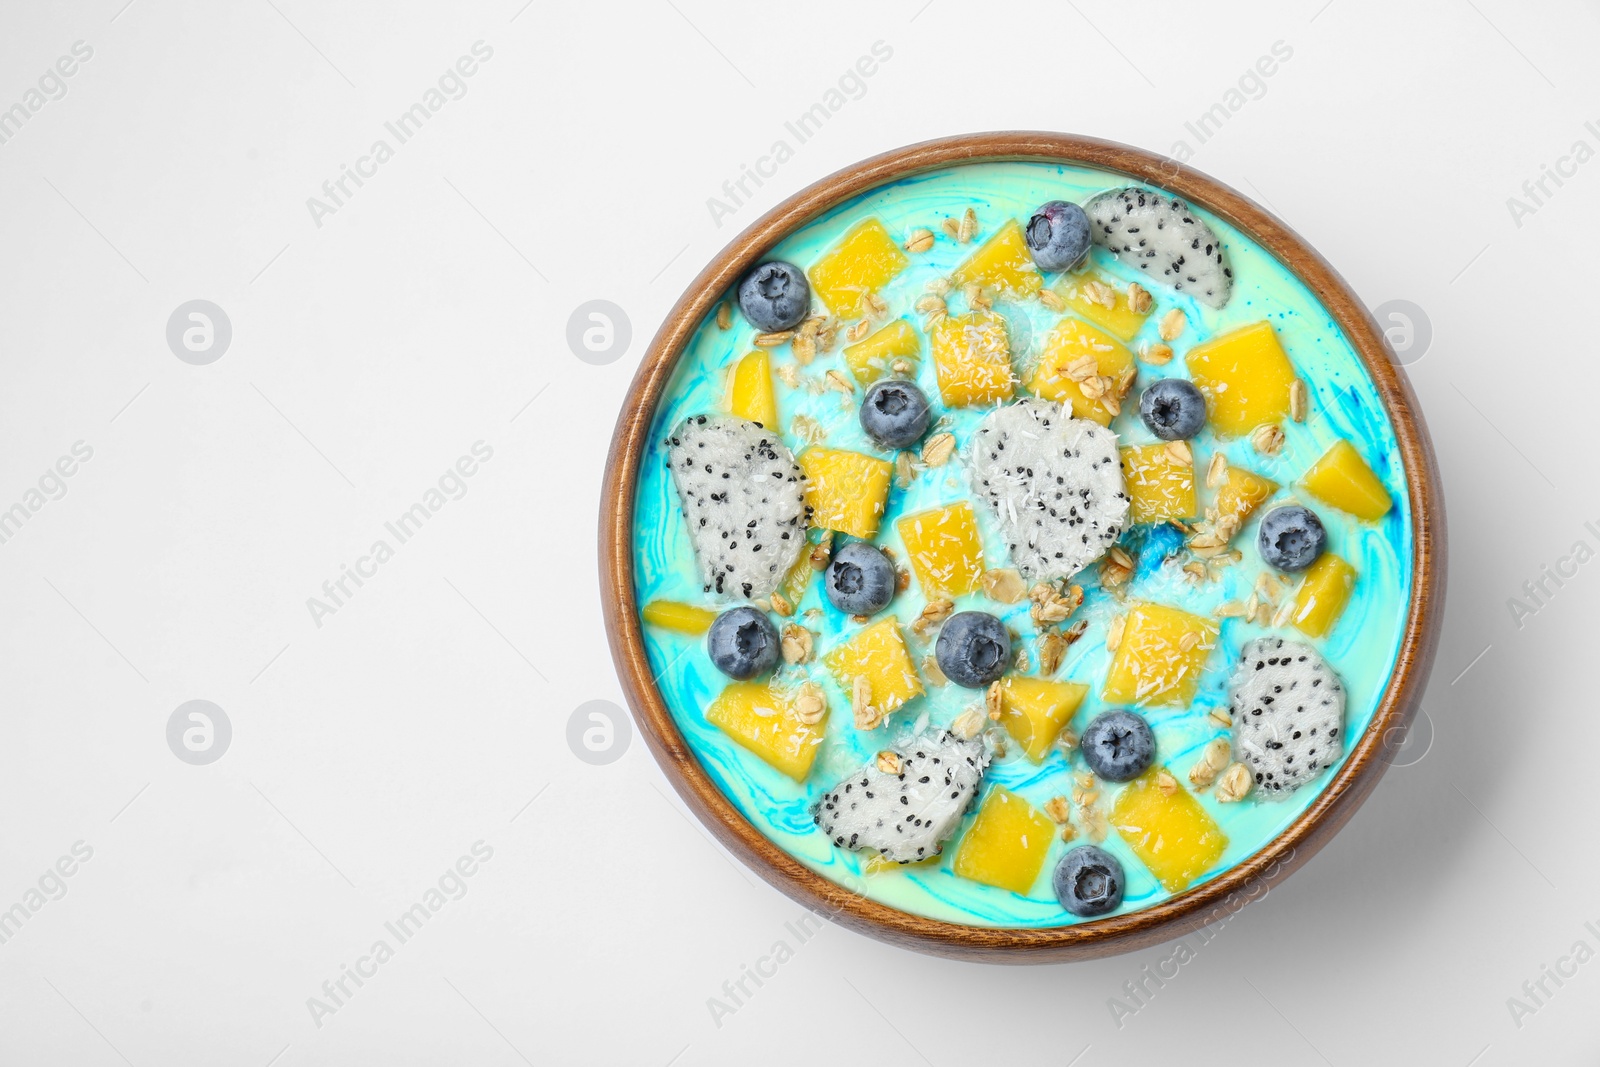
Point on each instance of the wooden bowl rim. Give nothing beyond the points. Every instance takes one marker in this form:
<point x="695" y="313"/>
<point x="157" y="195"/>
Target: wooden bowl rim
<point x="1246" y="880"/>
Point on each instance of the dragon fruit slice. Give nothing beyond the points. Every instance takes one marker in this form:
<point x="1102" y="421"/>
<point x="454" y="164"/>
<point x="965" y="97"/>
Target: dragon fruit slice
<point x="1288" y="713"/>
<point x="741" y="494"/>
<point x="1161" y="236"/>
<point x="1055" y="484"/>
<point x="907" y="816"/>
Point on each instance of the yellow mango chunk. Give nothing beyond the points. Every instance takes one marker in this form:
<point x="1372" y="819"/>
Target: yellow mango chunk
<point x="750" y="390"/>
<point x="764" y="721"/>
<point x="864" y="261"/>
<point x="972" y="356"/>
<point x="1007" y="843"/>
<point x="1157" y="663"/>
<point x="1171" y="835"/>
<point x="847" y="491"/>
<point x="879" y="654"/>
<point x="1342" y="478"/>
<point x="945" y="550"/>
<point x="1245" y="377"/>
<point x="673" y="615"/>
<point x="871" y="358"/>
<point x="1064" y="349"/>
<point x="1002" y="264"/>
<point x="1160" y="485"/>
<point x="1322" y="595"/>
<point x="1240" y="493"/>
<point x="877" y="864"/>
<point x="793" y="586"/>
<point x="1033" y="711"/>
<point x="1120" y="319"/>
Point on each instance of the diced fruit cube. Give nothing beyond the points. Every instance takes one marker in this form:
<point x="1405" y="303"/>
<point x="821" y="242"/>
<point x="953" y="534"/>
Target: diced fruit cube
<point x="1172" y="835"/>
<point x="1158" y="661"/>
<point x="1068" y="344"/>
<point x="1033" y="711"/>
<point x="864" y="261"/>
<point x="871" y="358"/>
<point x="673" y="615"/>
<point x="879" y="654"/>
<point x="973" y="358"/>
<point x="1342" y="478"/>
<point x="1322" y="595"/>
<point x="1160" y="484"/>
<point x="1240" y="493"/>
<point x="847" y="491"/>
<point x="1245" y="376"/>
<point x="763" y="720"/>
<point x="945" y="550"/>
<point x="793" y="586"/>
<point x="875" y="863"/>
<point x="1007" y="843"/>
<point x="1085" y="299"/>
<point x="1002" y="264"/>
<point x="750" y="390"/>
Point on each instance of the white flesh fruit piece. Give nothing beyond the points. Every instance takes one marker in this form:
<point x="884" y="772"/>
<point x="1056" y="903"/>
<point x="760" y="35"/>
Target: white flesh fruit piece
<point x="1055" y="484"/>
<point x="742" y="496"/>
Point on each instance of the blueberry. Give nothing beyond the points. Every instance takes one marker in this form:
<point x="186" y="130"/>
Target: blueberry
<point x="1118" y="745"/>
<point x="1058" y="235"/>
<point x="775" y="296"/>
<point x="860" y="579"/>
<point x="1089" y="881"/>
<point x="1291" y="538"/>
<point x="743" y="643"/>
<point x="1173" y="408"/>
<point x="974" y="649"/>
<point x="895" y="413"/>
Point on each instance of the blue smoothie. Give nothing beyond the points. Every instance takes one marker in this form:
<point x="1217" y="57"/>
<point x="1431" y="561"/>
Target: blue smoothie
<point x="1343" y="404"/>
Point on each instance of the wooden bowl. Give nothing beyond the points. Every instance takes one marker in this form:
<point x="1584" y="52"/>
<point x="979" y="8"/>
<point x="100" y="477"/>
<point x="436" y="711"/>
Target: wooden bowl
<point x="1245" y="881"/>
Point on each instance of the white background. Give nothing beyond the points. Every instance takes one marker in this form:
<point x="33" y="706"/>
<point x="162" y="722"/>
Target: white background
<point x="371" y="351"/>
